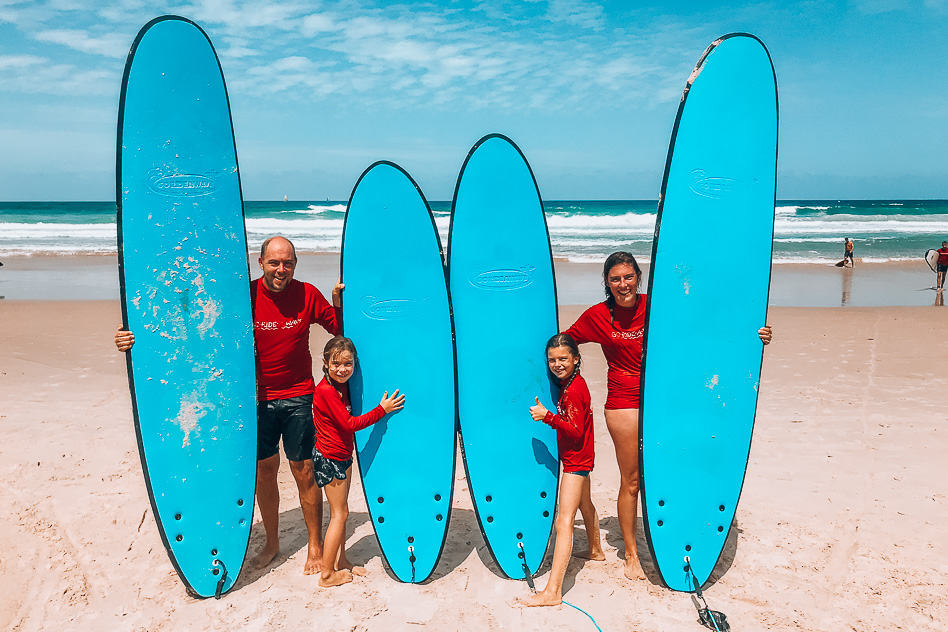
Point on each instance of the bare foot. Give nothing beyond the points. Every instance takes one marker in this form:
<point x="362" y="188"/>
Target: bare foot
<point x="540" y="599"/>
<point x="314" y="562"/>
<point x="595" y="556"/>
<point x="355" y="570"/>
<point x="336" y="578"/>
<point x="266" y="555"/>
<point x="633" y="570"/>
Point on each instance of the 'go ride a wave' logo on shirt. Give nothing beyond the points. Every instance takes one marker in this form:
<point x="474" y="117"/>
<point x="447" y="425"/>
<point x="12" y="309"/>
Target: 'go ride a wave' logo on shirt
<point x="181" y="184"/>
<point x="504" y="278"/>
<point x="384" y="309"/>
<point x="710" y="186"/>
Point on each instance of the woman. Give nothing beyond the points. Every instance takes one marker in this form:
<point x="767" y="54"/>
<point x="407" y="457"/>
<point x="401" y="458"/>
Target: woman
<point x="618" y="324"/>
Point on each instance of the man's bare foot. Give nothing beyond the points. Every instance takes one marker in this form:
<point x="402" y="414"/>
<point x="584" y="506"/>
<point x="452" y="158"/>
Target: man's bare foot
<point x="633" y="570"/>
<point x="314" y="562"/>
<point x="336" y="578"/>
<point x="595" y="556"/>
<point x="540" y="599"/>
<point x="266" y="555"/>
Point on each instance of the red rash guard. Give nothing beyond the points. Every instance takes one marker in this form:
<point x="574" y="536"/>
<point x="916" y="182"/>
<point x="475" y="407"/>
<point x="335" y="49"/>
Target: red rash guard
<point x="621" y="340"/>
<point x="943" y="256"/>
<point x="281" y="323"/>
<point x="335" y="425"/>
<point x="574" y="427"/>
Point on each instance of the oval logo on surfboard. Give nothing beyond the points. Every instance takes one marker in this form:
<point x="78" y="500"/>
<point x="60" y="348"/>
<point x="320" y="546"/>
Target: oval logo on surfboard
<point x="710" y="186"/>
<point x="181" y="184"/>
<point x="384" y="309"/>
<point x="504" y="278"/>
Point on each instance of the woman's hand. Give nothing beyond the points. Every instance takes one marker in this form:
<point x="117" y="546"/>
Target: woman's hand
<point x="124" y="339"/>
<point x="393" y="403"/>
<point x="539" y="411"/>
<point x="766" y="334"/>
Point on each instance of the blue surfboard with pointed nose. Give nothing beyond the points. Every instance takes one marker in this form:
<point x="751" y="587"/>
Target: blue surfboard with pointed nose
<point x="500" y="271"/>
<point x="702" y="361"/>
<point x="396" y="311"/>
<point x="185" y="294"/>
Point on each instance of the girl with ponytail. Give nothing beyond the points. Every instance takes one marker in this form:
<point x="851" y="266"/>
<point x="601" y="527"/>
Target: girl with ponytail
<point x="574" y="437"/>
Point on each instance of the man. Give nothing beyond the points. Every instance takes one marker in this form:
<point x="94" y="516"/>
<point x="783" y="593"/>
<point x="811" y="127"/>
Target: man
<point x="942" y="266"/>
<point x="848" y="251"/>
<point x="283" y="310"/>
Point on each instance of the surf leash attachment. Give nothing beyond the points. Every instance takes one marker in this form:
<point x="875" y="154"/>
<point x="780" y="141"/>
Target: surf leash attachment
<point x="222" y="580"/>
<point x="527" y="575"/>
<point x="411" y="560"/>
<point x="711" y="619"/>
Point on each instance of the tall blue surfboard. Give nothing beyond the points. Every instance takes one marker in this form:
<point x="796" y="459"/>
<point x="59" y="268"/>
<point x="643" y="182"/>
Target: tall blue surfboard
<point x="500" y="272"/>
<point x="185" y="295"/>
<point x="702" y="352"/>
<point x="396" y="311"/>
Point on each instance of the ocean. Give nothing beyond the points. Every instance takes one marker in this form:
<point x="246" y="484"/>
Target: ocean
<point x="810" y="231"/>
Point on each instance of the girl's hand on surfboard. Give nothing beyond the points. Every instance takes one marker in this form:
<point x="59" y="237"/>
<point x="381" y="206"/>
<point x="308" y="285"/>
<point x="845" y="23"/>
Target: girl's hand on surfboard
<point x="539" y="411"/>
<point x="124" y="339"/>
<point x="766" y="334"/>
<point x="337" y="293"/>
<point x="393" y="403"/>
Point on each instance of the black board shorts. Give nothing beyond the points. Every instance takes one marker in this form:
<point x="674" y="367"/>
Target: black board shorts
<point x="291" y="418"/>
<point x="326" y="469"/>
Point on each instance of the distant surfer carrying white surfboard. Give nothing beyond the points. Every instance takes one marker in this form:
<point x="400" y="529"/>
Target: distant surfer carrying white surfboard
<point x="942" y="267"/>
<point x="283" y="311"/>
<point x="618" y="325"/>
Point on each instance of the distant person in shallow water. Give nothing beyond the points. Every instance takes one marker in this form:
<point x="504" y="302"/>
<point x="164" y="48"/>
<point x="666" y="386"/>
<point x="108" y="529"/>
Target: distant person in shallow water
<point x="618" y="324"/>
<point x="848" y="249"/>
<point x="573" y="421"/>
<point x="942" y="266"/>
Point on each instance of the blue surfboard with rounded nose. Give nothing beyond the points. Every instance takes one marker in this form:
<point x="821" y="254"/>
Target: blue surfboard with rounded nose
<point x="702" y="352"/>
<point x="500" y="272"/>
<point x="185" y="294"/>
<point x="396" y="311"/>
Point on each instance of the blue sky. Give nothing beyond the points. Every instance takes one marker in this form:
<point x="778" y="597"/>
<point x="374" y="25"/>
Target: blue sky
<point x="589" y="90"/>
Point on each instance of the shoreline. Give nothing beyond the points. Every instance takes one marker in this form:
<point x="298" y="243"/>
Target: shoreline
<point x="897" y="283"/>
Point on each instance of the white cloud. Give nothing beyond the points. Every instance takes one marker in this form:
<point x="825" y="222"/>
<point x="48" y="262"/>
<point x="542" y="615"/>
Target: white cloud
<point x="19" y="61"/>
<point x="108" y="45"/>
<point x="577" y="12"/>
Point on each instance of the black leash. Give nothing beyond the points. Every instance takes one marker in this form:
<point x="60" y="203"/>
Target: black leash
<point x="711" y="619"/>
<point x="527" y="575"/>
<point x="222" y="580"/>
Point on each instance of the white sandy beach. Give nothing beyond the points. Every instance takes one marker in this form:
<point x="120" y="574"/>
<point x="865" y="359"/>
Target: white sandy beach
<point x="840" y="526"/>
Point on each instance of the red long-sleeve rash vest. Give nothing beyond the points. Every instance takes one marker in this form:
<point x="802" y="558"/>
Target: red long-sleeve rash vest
<point x="621" y="340"/>
<point x="281" y="322"/>
<point x="335" y="424"/>
<point x="574" y="427"/>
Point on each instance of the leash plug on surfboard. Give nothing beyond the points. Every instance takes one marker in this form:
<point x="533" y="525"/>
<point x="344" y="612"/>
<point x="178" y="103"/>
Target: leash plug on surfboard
<point x="711" y="619"/>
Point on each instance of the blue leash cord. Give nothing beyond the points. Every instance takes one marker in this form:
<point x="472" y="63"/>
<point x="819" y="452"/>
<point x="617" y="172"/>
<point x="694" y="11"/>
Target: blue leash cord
<point x="584" y="612"/>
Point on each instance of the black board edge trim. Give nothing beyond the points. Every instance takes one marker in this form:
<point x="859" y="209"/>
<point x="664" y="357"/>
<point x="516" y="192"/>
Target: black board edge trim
<point x="467" y="474"/>
<point x="454" y="443"/>
<point x="652" y="266"/>
<point x="123" y="293"/>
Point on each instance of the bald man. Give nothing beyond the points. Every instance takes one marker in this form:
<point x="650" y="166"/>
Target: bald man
<point x="283" y="311"/>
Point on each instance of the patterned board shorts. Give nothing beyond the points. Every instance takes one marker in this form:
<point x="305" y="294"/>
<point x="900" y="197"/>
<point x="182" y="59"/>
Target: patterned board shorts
<point x="326" y="469"/>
